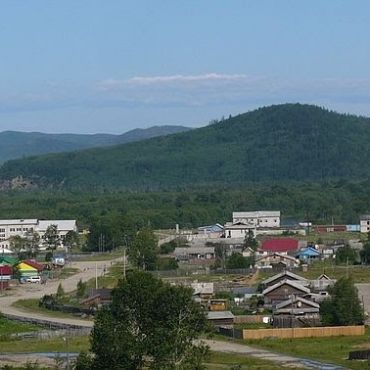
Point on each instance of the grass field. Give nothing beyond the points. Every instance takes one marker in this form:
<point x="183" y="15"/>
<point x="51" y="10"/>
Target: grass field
<point x="8" y="327"/>
<point x="334" y="349"/>
<point x="75" y="344"/>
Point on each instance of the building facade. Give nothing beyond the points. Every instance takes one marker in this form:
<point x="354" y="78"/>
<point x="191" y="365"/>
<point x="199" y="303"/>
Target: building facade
<point x="25" y="227"/>
<point x="258" y="218"/>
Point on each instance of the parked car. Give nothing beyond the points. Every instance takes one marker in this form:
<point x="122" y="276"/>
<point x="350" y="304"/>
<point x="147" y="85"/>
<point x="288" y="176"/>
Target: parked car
<point x="34" y="279"/>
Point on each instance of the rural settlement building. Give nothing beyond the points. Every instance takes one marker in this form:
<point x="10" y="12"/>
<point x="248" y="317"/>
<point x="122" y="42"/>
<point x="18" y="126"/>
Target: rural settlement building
<point x="23" y="227"/>
<point x="258" y="218"/>
<point x="365" y="223"/>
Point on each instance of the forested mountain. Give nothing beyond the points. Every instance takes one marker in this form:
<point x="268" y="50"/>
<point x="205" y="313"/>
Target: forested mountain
<point x="19" y="144"/>
<point x="290" y="142"/>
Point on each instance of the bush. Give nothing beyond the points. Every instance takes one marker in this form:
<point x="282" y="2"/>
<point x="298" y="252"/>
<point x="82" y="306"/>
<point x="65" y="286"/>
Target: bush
<point x="164" y="264"/>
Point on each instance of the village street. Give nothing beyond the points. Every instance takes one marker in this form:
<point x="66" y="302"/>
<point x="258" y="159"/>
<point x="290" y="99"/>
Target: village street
<point x="27" y="291"/>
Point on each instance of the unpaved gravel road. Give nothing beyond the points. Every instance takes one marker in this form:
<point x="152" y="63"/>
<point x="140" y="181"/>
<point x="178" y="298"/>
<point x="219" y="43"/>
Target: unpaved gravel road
<point x="32" y="290"/>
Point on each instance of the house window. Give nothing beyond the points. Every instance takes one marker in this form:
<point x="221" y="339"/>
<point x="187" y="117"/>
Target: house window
<point x="19" y="229"/>
<point x="12" y="229"/>
<point x="2" y="230"/>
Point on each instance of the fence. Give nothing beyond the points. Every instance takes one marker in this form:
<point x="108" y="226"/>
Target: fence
<point x="230" y="332"/>
<point x="50" y="334"/>
<point x="327" y="331"/>
<point x="251" y="319"/>
<point x="49" y="323"/>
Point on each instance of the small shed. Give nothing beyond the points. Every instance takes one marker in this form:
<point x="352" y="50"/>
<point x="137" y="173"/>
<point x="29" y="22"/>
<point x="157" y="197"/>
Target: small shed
<point x="6" y="273"/>
<point x="98" y="297"/>
<point x="24" y="270"/>
<point x="220" y="318"/>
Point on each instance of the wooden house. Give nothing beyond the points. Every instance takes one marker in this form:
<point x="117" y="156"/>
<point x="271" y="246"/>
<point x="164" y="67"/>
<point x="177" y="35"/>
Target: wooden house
<point x="284" y="275"/>
<point x="283" y="290"/>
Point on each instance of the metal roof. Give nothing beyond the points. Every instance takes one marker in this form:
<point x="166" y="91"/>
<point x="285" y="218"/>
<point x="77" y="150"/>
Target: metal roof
<point x="219" y="315"/>
<point x="256" y="214"/>
<point x="20" y="221"/>
<point x="288" y="282"/>
<point x="65" y="225"/>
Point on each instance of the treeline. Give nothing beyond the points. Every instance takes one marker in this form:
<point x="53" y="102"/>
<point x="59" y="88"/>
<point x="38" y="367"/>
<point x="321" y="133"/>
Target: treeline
<point x="190" y="207"/>
<point x="278" y="143"/>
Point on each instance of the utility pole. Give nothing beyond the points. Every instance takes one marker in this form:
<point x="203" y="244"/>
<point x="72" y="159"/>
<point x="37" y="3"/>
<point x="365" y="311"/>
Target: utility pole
<point x="96" y="275"/>
<point x="124" y="262"/>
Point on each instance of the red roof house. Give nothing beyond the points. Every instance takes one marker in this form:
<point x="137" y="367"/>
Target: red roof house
<point x="282" y="245"/>
<point x="38" y="266"/>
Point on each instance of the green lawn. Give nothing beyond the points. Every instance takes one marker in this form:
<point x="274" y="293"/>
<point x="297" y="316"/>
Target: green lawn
<point x="103" y="256"/>
<point x="332" y="349"/>
<point x="8" y="327"/>
<point x="75" y="344"/>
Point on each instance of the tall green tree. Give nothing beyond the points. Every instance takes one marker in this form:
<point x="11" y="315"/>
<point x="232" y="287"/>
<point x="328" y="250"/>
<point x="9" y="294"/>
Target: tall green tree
<point x="150" y="324"/>
<point x="343" y="307"/>
<point x="51" y="237"/>
<point x="17" y="244"/>
<point x="144" y="250"/>
<point x="250" y="241"/>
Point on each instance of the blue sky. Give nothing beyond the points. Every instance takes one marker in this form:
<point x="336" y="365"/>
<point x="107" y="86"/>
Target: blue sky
<point x="109" y="66"/>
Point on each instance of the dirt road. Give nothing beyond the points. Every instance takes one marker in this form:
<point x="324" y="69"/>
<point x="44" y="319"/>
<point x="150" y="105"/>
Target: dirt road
<point x="87" y="269"/>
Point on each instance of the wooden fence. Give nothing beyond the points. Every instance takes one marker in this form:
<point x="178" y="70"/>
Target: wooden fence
<point x="251" y="319"/>
<point x="326" y="331"/>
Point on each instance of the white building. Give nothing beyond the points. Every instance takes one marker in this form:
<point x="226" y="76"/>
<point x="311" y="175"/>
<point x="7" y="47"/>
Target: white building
<point x="22" y="227"/>
<point x="64" y="226"/>
<point x="365" y="223"/>
<point x="9" y="228"/>
<point x="258" y="218"/>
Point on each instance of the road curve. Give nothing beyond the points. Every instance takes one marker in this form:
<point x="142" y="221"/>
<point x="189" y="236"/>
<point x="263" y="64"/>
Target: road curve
<point x="88" y="270"/>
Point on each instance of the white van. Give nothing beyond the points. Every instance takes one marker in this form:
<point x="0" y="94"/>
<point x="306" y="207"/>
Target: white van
<point x="34" y="279"/>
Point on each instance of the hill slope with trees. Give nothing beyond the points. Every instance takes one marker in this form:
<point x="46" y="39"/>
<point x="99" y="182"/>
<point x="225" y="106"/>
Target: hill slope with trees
<point x="289" y="142"/>
<point x="19" y="144"/>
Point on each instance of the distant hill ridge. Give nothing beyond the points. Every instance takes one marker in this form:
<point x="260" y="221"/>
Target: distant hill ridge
<point x="288" y="142"/>
<point x="20" y="144"/>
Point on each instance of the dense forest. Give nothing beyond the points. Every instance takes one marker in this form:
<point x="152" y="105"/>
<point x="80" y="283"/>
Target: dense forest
<point x="290" y="142"/>
<point x="318" y="202"/>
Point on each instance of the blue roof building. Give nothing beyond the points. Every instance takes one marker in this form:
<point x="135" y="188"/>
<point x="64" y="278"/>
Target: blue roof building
<point x="308" y="253"/>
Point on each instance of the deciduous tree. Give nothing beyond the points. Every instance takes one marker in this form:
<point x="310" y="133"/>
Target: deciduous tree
<point x="150" y="324"/>
<point x="144" y="249"/>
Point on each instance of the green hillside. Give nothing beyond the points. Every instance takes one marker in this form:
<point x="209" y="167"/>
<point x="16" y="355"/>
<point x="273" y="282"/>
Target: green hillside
<point x="290" y="142"/>
<point x="19" y="144"/>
